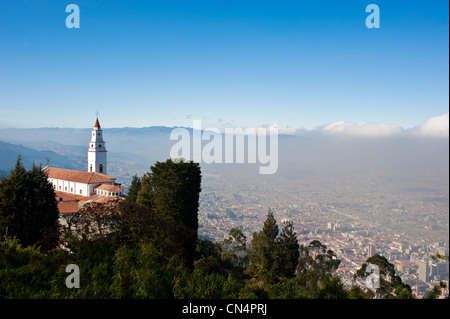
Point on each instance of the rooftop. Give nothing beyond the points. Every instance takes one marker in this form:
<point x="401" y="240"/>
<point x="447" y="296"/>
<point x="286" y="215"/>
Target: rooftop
<point x="71" y="204"/>
<point x="78" y="176"/>
<point x="109" y="188"/>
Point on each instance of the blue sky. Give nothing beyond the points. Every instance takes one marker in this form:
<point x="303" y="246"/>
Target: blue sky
<point x="239" y="63"/>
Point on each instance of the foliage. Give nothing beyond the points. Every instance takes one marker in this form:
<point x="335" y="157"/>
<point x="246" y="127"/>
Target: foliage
<point x="139" y="273"/>
<point x="288" y="253"/>
<point x="134" y="189"/>
<point x="264" y="251"/>
<point x="235" y="248"/>
<point x="201" y="284"/>
<point x="391" y="285"/>
<point x="357" y="293"/>
<point x="26" y="272"/>
<point x="172" y="190"/>
<point x="439" y="256"/>
<point x="436" y="291"/>
<point x="28" y="207"/>
<point x="133" y="224"/>
<point x="316" y="256"/>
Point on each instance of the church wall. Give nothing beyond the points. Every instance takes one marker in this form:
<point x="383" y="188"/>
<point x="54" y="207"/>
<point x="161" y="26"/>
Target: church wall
<point x="72" y="187"/>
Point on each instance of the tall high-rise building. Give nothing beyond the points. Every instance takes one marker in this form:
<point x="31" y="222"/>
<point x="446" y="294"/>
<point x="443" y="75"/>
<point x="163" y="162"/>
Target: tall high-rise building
<point x="424" y="271"/>
<point x="370" y="251"/>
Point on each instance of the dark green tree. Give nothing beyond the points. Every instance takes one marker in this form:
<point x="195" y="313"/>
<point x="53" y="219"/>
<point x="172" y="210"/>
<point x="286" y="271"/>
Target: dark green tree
<point x="436" y="291"/>
<point x="357" y="293"/>
<point x="236" y="239"/>
<point x="28" y="207"/>
<point x="134" y="189"/>
<point x="332" y="288"/>
<point x="172" y="189"/>
<point x="264" y="252"/>
<point x="139" y="273"/>
<point x="288" y="251"/>
<point x="28" y="272"/>
<point x="318" y="258"/>
<point x="133" y="225"/>
<point x="235" y="248"/>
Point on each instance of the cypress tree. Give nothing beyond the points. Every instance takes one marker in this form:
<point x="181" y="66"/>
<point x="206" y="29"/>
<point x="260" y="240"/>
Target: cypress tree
<point x="172" y="189"/>
<point x="288" y="251"/>
<point x="28" y="207"/>
<point x="134" y="189"/>
<point x="264" y="253"/>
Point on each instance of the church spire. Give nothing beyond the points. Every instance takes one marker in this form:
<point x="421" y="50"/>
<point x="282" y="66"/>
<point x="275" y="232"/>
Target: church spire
<point x="97" y="150"/>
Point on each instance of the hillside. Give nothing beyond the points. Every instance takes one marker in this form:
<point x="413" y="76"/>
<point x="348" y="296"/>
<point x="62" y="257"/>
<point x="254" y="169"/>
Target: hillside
<point x="9" y="153"/>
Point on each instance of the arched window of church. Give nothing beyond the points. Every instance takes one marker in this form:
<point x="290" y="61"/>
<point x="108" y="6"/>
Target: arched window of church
<point x="100" y="168"/>
<point x="91" y="167"/>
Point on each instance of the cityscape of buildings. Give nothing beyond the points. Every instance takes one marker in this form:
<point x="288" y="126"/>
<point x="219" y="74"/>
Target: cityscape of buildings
<point x="408" y="231"/>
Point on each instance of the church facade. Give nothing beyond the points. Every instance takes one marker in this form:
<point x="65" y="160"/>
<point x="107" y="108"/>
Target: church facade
<point x="74" y="189"/>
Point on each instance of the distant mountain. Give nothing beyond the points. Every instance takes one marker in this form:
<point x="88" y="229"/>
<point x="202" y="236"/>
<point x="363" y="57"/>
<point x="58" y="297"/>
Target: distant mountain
<point x="9" y="153"/>
<point x="143" y="145"/>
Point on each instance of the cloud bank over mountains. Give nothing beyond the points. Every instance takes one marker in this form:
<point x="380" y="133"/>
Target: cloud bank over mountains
<point x="361" y="129"/>
<point x="434" y="127"/>
<point x="437" y="126"/>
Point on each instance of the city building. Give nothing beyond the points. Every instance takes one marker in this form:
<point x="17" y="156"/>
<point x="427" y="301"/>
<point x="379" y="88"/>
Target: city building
<point x="424" y="271"/>
<point x="370" y="251"/>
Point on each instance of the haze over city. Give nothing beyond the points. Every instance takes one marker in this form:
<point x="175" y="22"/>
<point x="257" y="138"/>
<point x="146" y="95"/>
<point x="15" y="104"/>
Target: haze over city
<point x="362" y="114"/>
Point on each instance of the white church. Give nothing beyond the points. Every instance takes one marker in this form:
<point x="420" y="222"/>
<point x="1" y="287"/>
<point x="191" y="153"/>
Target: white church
<point x="74" y="189"/>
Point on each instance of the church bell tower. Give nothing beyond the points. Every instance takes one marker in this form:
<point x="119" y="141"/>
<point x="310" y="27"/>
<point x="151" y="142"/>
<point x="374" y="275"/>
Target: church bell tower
<point x="97" y="151"/>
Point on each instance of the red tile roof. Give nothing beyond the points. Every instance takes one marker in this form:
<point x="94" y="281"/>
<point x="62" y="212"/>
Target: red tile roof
<point x="97" y="124"/>
<point x="109" y="188"/>
<point x="64" y="197"/>
<point x="78" y="176"/>
<point x="84" y="200"/>
<point x="72" y="204"/>
<point x="68" y="207"/>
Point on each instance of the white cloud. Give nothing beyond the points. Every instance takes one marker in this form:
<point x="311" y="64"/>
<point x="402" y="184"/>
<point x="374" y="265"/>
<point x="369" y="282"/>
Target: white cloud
<point x="361" y="129"/>
<point x="437" y="126"/>
<point x="283" y="130"/>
